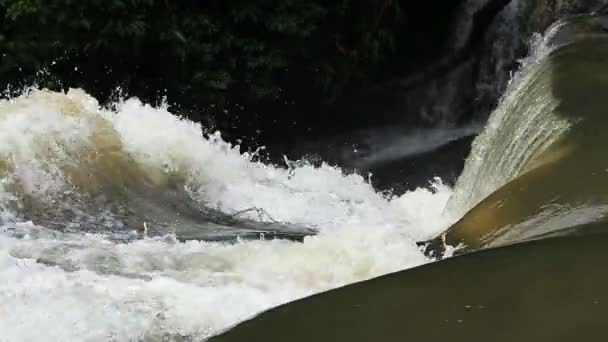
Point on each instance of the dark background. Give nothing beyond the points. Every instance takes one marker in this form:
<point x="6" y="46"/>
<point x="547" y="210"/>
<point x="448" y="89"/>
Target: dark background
<point x="305" y="78"/>
<point x="264" y="70"/>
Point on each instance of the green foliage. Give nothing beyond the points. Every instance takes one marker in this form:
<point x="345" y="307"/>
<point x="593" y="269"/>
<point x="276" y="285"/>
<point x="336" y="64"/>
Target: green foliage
<point x="254" y="49"/>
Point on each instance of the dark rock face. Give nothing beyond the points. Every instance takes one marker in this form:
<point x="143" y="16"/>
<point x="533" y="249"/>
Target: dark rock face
<point x="466" y="81"/>
<point x="546" y="12"/>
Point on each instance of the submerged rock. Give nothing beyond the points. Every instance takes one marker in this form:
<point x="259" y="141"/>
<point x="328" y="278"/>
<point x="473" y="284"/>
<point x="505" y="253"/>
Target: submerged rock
<point x="543" y="291"/>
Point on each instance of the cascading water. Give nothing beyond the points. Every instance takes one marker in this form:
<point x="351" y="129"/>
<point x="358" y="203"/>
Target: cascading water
<point x="488" y="38"/>
<point x="520" y="128"/>
<point x="539" y="167"/>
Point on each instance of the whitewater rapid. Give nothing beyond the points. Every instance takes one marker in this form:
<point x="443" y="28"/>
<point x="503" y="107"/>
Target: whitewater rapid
<point x="75" y="284"/>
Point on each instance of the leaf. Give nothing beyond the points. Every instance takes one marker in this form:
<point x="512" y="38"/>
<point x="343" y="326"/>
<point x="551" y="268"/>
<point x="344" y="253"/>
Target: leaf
<point x="137" y="28"/>
<point x="180" y="36"/>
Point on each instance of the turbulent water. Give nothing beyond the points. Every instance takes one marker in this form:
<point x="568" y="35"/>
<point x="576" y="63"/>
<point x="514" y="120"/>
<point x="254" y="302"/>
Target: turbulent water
<point x="110" y="220"/>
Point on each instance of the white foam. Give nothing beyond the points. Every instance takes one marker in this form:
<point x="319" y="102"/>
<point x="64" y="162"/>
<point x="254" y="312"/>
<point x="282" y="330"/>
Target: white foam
<point x="86" y="288"/>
